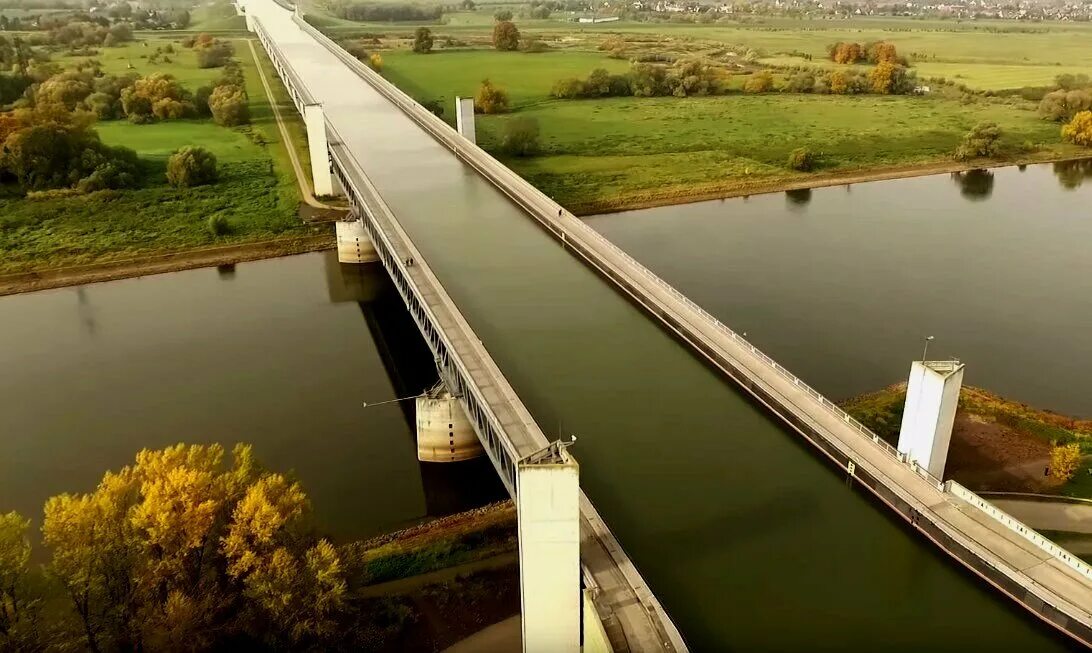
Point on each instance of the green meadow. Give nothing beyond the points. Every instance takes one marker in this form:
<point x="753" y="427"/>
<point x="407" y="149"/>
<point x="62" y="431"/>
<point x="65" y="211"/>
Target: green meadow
<point x="257" y="192"/>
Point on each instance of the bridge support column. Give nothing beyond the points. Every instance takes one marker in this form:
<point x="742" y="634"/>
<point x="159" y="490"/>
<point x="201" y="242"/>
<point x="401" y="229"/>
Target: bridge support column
<point x="315" y="120"/>
<point x="353" y="244"/>
<point x="464" y="118"/>
<point x="444" y="434"/>
<point x="548" y="518"/>
<point x="932" y="396"/>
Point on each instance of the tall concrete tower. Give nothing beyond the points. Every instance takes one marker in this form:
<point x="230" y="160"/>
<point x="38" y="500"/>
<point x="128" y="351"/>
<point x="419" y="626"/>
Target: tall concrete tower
<point x="932" y="396"/>
<point x="548" y="519"/>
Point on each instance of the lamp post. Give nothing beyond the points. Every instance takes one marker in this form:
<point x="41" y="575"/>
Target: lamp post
<point x="925" y="353"/>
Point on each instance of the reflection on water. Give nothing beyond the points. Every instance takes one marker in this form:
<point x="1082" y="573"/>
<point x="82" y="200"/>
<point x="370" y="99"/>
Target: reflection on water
<point x="282" y="357"/>
<point x="974" y="184"/>
<point x="797" y="197"/>
<point x="1071" y="174"/>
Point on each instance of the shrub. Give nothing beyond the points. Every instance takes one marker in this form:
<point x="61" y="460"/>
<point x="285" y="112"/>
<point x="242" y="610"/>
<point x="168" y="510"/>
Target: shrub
<point x="981" y="141"/>
<point x="760" y="82"/>
<point x="219" y="225"/>
<point x="520" y="137"/>
<point x="505" y="36"/>
<point x="502" y="15"/>
<point x="802" y="159"/>
<point x="375" y="62"/>
<point x="214" y="54"/>
<point x="228" y="105"/>
<point x="490" y="99"/>
<point x="422" y="40"/>
<point x="1079" y="129"/>
<point x="191" y="166"/>
<point x="568" y="89"/>
<point x="1064" y="461"/>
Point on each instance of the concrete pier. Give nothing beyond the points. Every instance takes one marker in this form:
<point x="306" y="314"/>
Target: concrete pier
<point x="353" y="244"/>
<point x="932" y="396"/>
<point x="464" y="118"/>
<point x="548" y="510"/>
<point x="444" y="434"/>
<point x="317" y="147"/>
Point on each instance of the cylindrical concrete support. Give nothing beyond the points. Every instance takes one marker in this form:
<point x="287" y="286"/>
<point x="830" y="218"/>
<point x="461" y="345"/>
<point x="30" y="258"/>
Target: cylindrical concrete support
<point x="353" y="244"/>
<point x="444" y="434"/>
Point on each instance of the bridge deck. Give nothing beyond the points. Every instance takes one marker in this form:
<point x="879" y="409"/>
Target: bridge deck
<point x="1024" y="568"/>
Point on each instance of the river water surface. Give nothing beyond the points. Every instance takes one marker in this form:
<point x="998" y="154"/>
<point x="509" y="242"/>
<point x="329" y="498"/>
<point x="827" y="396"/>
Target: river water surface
<point x="841" y="284"/>
<point x="278" y="353"/>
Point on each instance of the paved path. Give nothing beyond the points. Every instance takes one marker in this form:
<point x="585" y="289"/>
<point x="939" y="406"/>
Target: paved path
<point x="1049" y="515"/>
<point x="301" y="178"/>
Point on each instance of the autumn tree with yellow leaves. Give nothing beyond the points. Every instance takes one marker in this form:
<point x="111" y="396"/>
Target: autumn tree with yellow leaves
<point x="183" y="548"/>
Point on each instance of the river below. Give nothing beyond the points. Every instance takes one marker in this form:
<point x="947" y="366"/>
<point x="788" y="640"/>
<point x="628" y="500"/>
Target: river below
<point x="842" y="284"/>
<point x="279" y="353"/>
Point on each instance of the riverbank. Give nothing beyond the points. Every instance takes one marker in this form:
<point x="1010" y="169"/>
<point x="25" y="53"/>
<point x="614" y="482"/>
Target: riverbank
<point x="446" y="579"/>
<point x="110" y="270"/>
<point x="737" y="187"/>
<point x="998" y="444"/>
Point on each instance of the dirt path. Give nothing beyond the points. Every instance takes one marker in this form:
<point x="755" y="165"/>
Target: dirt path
<point x="301" y="178"/>
<point x="502" y="637"/>
<point x="21" y="282"/>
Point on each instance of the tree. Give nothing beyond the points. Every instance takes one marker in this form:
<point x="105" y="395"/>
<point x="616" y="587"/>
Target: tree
<point x="839" y="82"/>
<point x="1065" y="459"/>
<point x="981" y="141"/>
<point x="182" y="552"/>
<point x="882" y="52"/>
<point x="14" y="564"/>
<point x="1079" y="129"/>
<point x="490" y="99"/>
<point x="800" y="82"/>
<point x="505" y="36"/>
<point x="213" y="54"/>
<point x="375" y="62"/>
<point x="760" y="82"/>
<point x="229" y="106"/>
<point x="889" y="78"/>
<point x="801" y="159"/>
<point x="191" y="166"/>
<point x="422" y="40"/>
<point x="139" y="102"/>
<point x="502" y="15"/>
<point x="1063" y="104"/>
<point x="520" y="137"/>
<point x="52" y="154"/>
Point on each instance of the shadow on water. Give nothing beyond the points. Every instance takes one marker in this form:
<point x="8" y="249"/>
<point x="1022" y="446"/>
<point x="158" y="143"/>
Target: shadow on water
<point x="1071" y="174"/>
<point x="975" y="185"/>
<point x="449" y="487"/>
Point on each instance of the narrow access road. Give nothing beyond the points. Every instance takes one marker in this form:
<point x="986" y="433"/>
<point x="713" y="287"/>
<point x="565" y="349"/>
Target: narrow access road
<point x="301" y="179"/>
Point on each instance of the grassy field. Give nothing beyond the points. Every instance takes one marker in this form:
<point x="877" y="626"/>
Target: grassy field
<point x="526" y="77"/>
<point x="257" y="193"/>
<point x="183" y="65"/>
<point x="614" y="152"/>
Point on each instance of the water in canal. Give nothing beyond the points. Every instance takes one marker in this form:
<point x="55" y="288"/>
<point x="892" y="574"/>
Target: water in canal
<point x="279" y="353"/>
<point x="841" y="284"/>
